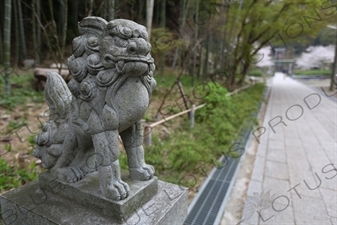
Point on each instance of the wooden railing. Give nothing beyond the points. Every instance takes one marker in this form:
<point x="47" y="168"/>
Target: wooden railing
<point x="149" y="127"/>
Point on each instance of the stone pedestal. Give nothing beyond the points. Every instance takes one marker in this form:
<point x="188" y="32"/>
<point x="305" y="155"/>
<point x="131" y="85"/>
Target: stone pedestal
<point x="49" y="201"/>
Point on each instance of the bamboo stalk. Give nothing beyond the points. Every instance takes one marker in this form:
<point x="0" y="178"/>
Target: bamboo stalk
<point x="7" y="45"/>
<point x="34" y="32"/>
<point x="17" y="34"/>
<point x="22" y="30"/>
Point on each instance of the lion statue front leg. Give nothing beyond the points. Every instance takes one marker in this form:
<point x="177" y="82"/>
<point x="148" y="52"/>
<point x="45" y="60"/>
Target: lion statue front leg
<point x="133" y="139"/>
<point x="107" y="151"/>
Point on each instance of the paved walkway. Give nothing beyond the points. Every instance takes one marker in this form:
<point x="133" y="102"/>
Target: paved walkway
<point x="296" y="159"/>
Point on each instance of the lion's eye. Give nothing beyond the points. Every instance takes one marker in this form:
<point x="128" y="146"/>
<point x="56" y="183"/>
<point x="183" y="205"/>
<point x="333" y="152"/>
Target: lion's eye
<point x="92" y="41"/>
<point x="123" y="42"/>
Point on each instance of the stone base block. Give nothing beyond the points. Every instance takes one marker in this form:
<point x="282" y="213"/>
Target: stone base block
<point x="87" y="193"/>
<point x="31" y="205"/>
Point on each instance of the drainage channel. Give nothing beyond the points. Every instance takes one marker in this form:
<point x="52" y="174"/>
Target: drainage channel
<point x="208" y="206"/>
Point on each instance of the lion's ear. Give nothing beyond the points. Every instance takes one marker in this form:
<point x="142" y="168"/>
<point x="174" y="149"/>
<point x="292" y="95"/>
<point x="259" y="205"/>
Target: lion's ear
<point x="92" y="25"/>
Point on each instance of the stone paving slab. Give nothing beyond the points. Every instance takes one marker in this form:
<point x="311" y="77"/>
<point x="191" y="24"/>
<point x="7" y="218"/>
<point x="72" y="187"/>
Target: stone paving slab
<point x="296" y="158"/>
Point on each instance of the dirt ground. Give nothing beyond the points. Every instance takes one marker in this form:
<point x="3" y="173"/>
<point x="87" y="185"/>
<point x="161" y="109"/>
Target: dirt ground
<point x="14" y="145"/>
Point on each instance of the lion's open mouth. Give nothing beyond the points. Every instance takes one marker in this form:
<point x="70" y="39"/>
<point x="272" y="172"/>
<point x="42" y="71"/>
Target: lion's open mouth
<point x="116" y="59"/>
<point x="135" y="66"/>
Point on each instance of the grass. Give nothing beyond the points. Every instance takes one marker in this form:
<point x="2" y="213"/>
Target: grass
<point x="312" y="72"/>
<point x="11" y="177"/>
<point x="14" y="124"/>
<point x="21" y="92"/>
<point x="256" y="73"/>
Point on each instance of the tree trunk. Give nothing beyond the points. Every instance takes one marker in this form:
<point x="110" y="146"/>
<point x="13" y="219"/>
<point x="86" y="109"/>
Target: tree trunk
<point x="157" y="16"/>
<point x="91" y="7"/>
<point x="184" y="7"/>
<point x="22" y="30"/>
<point x="36" y="19"/>
<point x="195" y="38"/>
<point x="163" y="14"/>
<point x="334" y="68"/>
<point x="112" y="7"/>
<point x="17" y="33"/>
<point x="149" y="16"/>
<point x="243" y="74"/>
<point x="38" y="34"/>
<point x="224" y="36"/>
<point x="1" y="47"/>
<point x="208" y="42"/>
<point x="7" y="45"/>
<point x="64" y="31"/>
<point x="34" y="31"/>
<point x="163" y="25"/>
<point x="232" y="71"/>
<point x="53" y="41"/>
<point x="140" y="11"/>
<point x="200" y="60"/>
<point x="60" y="18"/>
<point x="73" y="16"/>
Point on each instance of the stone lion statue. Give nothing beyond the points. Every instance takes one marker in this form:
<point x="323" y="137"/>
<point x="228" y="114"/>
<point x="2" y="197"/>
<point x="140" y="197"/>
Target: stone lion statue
<point x="110" y="91"/>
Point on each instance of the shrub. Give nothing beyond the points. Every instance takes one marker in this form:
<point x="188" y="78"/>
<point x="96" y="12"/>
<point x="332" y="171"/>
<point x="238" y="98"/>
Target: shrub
<point x="218" y="125"/>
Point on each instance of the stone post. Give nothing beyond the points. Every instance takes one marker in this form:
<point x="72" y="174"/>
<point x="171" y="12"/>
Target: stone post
<point x="108" y="95"/>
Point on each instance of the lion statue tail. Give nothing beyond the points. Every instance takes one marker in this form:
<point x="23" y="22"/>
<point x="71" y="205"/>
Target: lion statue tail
<point x="58" y="97"/>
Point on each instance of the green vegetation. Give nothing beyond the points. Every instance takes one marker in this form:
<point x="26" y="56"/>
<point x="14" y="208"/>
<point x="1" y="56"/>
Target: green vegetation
<point x="258" y="23"/>
<point x="10" y="177"/>
<point x="21" y="92"/>
<point x="256" y="73"/>
<point x="218" y="125"/>
<point x="312" y="72"/>
<point x="14" y="124"/>
<point x="165" y="80"/>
